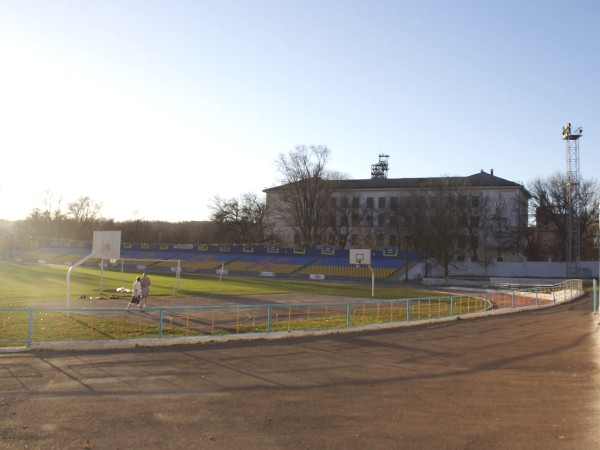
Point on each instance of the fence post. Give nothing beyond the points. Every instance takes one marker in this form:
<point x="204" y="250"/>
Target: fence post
<point x="160" y="323"/>
<point x="408" y="310"/>
<point x="269" y="313"/>
<point x="348" y="315"/>
<point x="595" y="284"/>
<point x="30" y="326"/>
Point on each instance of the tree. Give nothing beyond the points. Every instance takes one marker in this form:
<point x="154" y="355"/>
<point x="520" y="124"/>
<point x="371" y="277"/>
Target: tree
<point x="550" y="206"/>
<point x="47" y="220"/>
<point x="345" y="219"/>
<point x="85" y="217"/>
<point x="446" y="238"/>
<point x="305" y="192"/>
<point x="240" y="220"/>
<point x="434" y="223"/>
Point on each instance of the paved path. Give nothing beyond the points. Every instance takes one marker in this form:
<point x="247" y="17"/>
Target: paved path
<point x="521" y="381"/>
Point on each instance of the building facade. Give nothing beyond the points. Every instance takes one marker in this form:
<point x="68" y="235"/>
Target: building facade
<point x="479" y="217"/>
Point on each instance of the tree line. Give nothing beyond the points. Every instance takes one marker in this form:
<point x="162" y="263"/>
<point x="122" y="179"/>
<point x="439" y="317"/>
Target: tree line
<point x="457" y="228"/>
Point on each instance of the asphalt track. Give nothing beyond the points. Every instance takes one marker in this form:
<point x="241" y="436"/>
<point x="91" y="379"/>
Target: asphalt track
<point x="527" y="380"/>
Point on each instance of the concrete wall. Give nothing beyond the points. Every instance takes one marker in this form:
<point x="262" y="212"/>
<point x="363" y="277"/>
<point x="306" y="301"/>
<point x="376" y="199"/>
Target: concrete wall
<point x="527" y="269"/>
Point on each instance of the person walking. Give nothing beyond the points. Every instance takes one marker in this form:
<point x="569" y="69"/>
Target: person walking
<point x="145" y="285"/>
<point x="136" y="294"/>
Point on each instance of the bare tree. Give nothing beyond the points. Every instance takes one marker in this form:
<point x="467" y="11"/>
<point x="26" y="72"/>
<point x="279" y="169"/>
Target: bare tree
<point x="550" y="206"/>
<point x="305" y="192"/>
<point x="240" y="220"/>
<point x="434" y="224"/>
<point x="48" y="220"/>
<point x="345" y="219"/>
<point x="86" y="216"/>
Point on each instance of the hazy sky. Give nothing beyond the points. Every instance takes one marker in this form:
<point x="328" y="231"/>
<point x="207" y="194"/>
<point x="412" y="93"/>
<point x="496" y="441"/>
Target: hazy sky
<point x="153" y="108"/>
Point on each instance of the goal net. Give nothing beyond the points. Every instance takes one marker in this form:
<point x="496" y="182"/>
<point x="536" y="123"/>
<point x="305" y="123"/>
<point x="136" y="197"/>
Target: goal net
<point x="150" y="266"/>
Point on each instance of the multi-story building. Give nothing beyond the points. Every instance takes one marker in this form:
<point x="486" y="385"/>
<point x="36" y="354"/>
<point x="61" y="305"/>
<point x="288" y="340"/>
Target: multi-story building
<point x="477" y="217"/>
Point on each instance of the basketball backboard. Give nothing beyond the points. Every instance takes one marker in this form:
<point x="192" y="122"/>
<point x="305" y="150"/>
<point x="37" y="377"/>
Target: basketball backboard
<point x="360" y="256"/>
<point x="107" y="244"/>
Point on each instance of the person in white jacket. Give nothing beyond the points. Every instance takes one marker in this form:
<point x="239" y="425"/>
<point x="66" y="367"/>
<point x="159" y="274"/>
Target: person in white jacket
<point x="136" y="294"/>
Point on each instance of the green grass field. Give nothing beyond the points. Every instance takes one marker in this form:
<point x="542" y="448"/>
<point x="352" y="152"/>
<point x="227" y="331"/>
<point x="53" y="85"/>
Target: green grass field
<point x="26" y="288"/>
<point x="22" y="284"/>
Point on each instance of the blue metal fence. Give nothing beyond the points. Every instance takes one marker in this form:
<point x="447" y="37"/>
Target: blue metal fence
<point x="23" y="327"/>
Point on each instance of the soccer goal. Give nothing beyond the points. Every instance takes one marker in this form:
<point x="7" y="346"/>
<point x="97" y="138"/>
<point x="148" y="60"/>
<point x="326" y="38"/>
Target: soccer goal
<point x="149" y="266"/>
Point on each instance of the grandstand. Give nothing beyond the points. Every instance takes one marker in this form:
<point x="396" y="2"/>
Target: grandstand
<point x="243" y="260"/>
<point x="268" y="263"/>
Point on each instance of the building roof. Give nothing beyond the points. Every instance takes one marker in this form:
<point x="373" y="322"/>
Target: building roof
<point x="480" y="180"/>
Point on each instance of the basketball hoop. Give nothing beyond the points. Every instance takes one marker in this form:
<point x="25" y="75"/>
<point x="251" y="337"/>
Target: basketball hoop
<point x="360" y="257"/>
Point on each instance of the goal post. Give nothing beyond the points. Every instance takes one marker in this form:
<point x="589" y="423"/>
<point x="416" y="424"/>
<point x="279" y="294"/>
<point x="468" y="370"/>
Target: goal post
<point x="146" y="265"/>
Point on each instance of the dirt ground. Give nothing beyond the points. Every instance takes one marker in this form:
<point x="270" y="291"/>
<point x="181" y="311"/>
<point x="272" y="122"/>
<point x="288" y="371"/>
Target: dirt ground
<point x="527" y="380"/>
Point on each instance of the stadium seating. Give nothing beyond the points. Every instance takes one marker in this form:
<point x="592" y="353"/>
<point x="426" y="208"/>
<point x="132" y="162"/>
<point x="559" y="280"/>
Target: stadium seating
<point x="269" y="263"/>
<point x="330" y="263"/>
<point x="340" y="267"/>
<point x="54" y="255"/>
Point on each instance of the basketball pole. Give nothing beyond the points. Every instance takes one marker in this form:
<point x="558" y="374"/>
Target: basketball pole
<point x="77" y="264"/>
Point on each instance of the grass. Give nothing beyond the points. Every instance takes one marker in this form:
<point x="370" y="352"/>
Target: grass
<point x="24" y="286"/>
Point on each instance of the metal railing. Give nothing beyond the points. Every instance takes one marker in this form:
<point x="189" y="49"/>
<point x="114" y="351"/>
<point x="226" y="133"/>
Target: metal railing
<point x="23" y="327"/>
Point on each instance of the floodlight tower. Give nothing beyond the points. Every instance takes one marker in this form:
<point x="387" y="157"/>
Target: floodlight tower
<point x="573" y="232"/>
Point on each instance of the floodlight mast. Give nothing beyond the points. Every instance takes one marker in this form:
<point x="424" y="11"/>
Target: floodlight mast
<point x="573" y="233"/>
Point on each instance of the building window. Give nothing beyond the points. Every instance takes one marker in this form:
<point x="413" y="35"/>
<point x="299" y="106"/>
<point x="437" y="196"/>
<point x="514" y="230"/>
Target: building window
<point x="381" y="202"/>
<point x="394" y="203"/>
<point x="381" y="220"/>
<point x="393" y="240"/>
<point x="333" y="203"/>
<point x="369" y="220"/>
<point x="356" y="202"/>
<point x="354" y="239"/>
<point x="379" y="239"/>
<point x="475" y="201"/>
<point x="370" y="202"/>
<point x="394" y="221"/>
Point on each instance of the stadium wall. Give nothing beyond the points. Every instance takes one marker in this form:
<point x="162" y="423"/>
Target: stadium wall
<point x="505" y="269"/>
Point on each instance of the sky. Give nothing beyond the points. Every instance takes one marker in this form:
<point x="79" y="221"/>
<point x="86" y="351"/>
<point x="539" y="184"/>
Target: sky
<point x="152" y="109"/>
